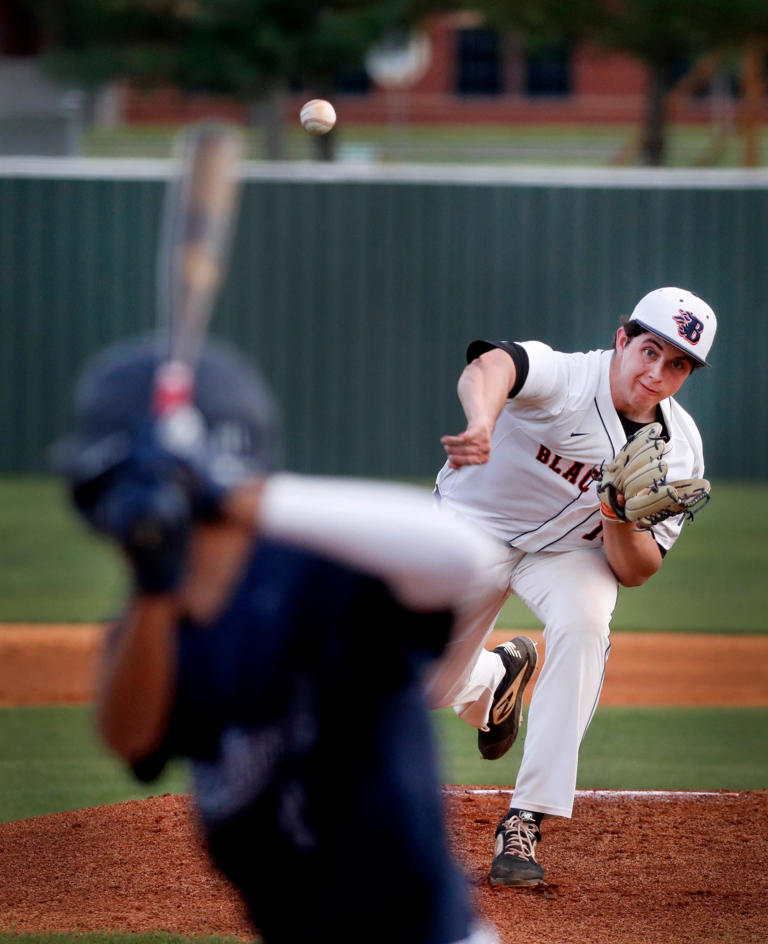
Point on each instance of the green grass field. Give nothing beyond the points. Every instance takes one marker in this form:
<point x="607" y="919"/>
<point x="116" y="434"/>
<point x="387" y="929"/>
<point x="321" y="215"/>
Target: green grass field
<point x="51" y="761"/>
<point x="52" y="569"/>
<point x="636" y="749"/>
<point x="713" y="579"/>
<point x="495" y="144"/>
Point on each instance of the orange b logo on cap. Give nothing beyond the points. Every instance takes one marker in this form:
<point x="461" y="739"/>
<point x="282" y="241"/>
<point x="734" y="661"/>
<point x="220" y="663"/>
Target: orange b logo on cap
<point x="689" y="326"/>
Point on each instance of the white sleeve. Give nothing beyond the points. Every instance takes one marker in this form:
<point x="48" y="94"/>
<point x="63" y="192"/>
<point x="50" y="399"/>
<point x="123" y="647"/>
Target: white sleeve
<point x="397" y="533"/>
<point x="547" y="385"/>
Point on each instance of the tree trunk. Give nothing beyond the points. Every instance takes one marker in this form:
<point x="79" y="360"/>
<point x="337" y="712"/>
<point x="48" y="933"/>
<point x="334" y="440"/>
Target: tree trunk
<point x="324" y="145"/>
<point x="653" y="143"/>
<point x="268" y="115"/>
<point x="752" y="82"/>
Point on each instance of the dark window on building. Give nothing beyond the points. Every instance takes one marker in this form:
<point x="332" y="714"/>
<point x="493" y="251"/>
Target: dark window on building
<point x="547" y="69"/>
<point x="479" y="62"/>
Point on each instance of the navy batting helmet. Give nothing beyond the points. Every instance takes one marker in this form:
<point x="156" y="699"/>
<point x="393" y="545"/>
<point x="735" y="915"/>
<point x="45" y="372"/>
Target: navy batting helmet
<point x="239" y="432"/>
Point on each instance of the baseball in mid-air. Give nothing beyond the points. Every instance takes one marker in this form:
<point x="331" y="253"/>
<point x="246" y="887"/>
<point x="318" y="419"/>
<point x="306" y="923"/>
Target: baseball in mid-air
<point x="317" y="116"/>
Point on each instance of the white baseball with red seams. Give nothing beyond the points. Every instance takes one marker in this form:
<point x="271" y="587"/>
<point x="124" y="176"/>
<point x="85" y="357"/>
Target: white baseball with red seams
<point x="317" y="116"/>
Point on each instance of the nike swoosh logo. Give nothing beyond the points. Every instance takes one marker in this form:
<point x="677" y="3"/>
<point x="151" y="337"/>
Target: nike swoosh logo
<point x="579" y="434"/>
<point x="505" y="705"/>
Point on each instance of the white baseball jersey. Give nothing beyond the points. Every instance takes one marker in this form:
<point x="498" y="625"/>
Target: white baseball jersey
<point x="538" y="490"/>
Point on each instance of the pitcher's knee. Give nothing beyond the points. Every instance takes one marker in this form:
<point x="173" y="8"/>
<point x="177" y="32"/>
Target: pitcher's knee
<point x="580" y="629"/>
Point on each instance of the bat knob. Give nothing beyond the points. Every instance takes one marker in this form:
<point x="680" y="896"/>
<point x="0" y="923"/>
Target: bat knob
<point x="174" y="386"/>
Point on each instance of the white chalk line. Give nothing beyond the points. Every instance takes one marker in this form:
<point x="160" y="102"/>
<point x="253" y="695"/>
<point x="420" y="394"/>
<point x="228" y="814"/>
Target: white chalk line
<point x="609" y="794"/>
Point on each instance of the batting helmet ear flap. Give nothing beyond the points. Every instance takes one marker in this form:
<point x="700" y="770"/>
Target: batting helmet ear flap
<point x="77" y="460"/>
<point x="87" y="496"/>
<point x="88" y="468"/>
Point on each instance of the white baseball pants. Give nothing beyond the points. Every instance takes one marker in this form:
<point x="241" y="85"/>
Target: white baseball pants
<point x="574" y="594"/>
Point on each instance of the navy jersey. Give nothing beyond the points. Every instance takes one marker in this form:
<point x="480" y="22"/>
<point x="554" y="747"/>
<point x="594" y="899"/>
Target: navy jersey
<point x="302" y="711"/>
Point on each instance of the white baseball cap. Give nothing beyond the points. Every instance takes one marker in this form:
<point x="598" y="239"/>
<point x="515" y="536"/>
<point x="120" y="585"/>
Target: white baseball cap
<point x="679" y="317"/>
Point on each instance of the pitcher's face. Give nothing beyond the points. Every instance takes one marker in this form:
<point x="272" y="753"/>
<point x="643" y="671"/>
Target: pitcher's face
<point x="644" y="371"/>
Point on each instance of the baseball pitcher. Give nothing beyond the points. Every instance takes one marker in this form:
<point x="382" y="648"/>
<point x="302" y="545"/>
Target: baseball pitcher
<point x="582" y="467"/>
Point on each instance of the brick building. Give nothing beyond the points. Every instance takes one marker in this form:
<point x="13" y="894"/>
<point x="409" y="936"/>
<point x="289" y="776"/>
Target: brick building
<point x="475" y="75"/>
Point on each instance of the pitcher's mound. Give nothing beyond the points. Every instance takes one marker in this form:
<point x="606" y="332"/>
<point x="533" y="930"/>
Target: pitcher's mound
<point x="650" y="868"/>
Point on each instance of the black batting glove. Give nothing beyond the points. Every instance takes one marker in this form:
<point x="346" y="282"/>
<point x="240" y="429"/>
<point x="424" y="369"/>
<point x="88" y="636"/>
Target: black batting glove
<point x="144" y="502"/>
<point x="151" y="520"/>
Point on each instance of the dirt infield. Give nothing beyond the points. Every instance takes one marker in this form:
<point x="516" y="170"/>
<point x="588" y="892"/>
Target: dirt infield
<point x="58" y="664"/>
<point x="625" y="870"/>
<point x="628" y="869"/>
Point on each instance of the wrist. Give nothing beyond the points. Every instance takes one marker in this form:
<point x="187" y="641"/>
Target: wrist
<point x="480" y="425"/>
<point x="608" y="514"/>
<point x="157" y="575"/>
<point x="242" y="506"/>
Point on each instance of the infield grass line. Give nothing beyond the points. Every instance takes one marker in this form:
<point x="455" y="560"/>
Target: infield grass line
<point x="51" y="761"/>
<point x="657" y="748"/>
<point x="611" y="794"/>
<point x="452" y="143"/>
<point x="53" y="570"/>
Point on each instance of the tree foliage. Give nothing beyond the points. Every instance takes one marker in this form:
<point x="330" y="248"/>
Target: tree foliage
<point x="234" y="47"/>
<point x="651" y="30"/>
<point x="664" y="35"/>
<point x="248" y="48"/>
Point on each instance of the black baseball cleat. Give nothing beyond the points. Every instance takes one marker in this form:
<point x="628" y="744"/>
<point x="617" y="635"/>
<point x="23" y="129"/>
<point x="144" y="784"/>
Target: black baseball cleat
<point x="519" y="657"/>
<point x="514" y="857"/>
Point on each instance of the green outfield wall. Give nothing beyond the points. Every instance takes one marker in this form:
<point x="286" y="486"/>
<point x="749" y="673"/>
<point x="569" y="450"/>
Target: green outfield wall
<point x="357" y="291"/>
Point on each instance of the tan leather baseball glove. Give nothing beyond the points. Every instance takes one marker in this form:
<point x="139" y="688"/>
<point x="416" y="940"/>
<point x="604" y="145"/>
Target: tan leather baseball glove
<point x="638" y="473"/>
<point x="637" y="465"/>
<point x="653" y="505"/>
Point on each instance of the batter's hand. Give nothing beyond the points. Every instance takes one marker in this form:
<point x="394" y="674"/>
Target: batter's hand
<point x="472" y="447"/>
